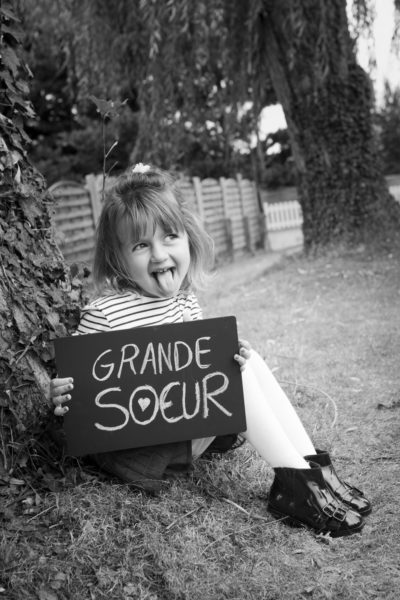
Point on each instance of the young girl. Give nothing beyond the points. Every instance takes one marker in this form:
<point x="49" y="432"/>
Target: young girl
<point x="151" y="253"/>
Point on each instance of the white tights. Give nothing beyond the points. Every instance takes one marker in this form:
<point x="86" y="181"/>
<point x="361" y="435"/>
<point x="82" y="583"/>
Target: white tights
<point x="273" y="426"/>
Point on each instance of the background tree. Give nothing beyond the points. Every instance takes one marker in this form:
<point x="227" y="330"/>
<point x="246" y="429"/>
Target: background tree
<point x="166" y="59"/>
<point x="327" y="99"/>
<point x="66" y="132"/>
<point x="38" y="300"/>
<point x="195" y="64"/>
<point x="387" y="121"/>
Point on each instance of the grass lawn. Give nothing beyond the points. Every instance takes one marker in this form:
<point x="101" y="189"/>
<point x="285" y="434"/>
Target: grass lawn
<point x="330" y="329"/>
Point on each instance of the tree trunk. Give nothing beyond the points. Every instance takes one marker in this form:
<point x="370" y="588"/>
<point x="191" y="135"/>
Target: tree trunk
<point x="38" y="302"/>
<point x="327" y="99"/>
<point x="36" y="305"/>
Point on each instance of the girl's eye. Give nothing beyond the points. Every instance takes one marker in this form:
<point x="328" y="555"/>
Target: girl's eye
<point x="139" y="246"/>
<point x="172" y="236"/>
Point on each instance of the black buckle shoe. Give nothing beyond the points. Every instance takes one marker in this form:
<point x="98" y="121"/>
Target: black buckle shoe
<point x="302" y="498"/>
<point x="350" y="495"/>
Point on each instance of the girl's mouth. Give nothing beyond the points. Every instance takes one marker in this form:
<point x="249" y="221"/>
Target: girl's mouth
<point x="165" y="279"/>
<point x="160" y="272"/>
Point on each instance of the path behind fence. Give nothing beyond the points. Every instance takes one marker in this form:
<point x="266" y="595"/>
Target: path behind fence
<point x="229" y="209"/>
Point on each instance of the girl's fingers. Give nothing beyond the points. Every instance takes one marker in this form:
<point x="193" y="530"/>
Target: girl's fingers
<point x="245" y="344"/>
<point x="245" y="348"/>
<point x="62" y="390"/>
<point x="245" y="353"/>
<point x="58" y="400"/>
<point x="58" y="381"/>
<point x="60" y="386"/>
<point x="60" y="411"/>
<point x="241" y="360"/>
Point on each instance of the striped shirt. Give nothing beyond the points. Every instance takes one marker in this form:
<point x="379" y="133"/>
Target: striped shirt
<point x="129" y="309"/>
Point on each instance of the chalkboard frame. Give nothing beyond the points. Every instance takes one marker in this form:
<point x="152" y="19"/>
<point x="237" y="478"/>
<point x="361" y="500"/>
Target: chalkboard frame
<point x="152" y="380"/>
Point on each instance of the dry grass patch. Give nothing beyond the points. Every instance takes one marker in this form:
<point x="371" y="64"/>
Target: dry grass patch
<point x="330" y="330"/>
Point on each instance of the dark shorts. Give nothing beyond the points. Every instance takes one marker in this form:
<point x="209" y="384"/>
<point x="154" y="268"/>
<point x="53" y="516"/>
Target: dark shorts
<point x="148" y="467"/>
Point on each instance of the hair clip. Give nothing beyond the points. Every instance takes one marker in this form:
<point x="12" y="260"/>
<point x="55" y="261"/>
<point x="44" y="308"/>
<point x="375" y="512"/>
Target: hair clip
<point x="140" y="168"/>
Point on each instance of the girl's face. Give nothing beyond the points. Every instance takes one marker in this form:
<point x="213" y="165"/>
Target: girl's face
<point x="158" y="262"/>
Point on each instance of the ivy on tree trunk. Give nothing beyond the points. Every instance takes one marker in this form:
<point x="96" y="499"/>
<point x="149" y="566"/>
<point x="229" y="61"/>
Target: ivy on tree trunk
<point x="38" y="299"/>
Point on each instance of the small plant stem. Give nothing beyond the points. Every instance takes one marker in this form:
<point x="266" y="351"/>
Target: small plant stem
<point x="46" y="510"/>
<point x="103" y="129"/>
<point x="249" y="514"/>
<point x="313" y="387"/>
<point x="190" y="512"/>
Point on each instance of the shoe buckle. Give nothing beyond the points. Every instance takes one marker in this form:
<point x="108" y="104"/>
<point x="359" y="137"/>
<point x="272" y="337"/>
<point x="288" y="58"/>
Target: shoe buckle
<point x="334" y="512"/>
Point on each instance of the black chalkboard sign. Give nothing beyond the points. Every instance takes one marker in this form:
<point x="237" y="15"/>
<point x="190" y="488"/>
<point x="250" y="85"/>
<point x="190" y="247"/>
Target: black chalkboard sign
<point x="151" y="385"/>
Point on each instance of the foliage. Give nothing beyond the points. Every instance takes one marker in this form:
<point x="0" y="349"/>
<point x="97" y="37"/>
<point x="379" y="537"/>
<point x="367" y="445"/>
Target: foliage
<point x="188" y="69"/>
<point x="165" y="60"/>
<point x="66" y="131"/>
<point x="327" y="99"/>
<point x="75" y="153"/>
<point x="37" y="297"/>
<point x="279" y="165"/>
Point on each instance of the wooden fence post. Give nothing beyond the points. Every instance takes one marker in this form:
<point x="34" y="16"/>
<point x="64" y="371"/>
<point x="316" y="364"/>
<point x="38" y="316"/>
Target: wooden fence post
<point x="91" y="184"/>
<point x="199" y="198"/>
<point x="245" y="218"/>
<point x="227" y="219"/>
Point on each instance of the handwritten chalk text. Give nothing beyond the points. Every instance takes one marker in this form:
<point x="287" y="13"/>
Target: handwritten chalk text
<point x="158" y="358"/>
<point x="171" y="403"/>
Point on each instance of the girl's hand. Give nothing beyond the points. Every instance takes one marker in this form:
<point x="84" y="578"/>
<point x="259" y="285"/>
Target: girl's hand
<point x="59" y="389"/>
<point x="244" y="354"/>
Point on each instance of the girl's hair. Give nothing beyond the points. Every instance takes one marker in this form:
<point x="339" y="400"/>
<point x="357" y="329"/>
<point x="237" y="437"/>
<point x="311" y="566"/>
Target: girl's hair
<point x="140" y="199"/>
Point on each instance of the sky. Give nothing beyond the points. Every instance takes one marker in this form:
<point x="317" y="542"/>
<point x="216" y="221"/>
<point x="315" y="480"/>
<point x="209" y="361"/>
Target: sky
<point x="387" y="65"/>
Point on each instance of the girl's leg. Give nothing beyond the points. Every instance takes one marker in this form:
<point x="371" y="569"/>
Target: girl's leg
<point x="264" y="432"/>
<point x="280" y="405"/>
<point x="200" y="445"/>
<point x="299" y="492"/>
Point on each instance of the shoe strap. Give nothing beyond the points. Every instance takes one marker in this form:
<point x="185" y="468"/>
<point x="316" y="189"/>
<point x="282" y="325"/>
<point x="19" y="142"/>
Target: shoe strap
<point x="334" y="512"/>
<point x="348" y="491"/>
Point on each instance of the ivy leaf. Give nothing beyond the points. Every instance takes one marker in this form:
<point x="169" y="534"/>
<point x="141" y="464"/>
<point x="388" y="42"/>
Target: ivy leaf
<point x="8" y="14"/>
<point x="31" y="209"/>
<point x="74" y="270"/>
<point x="10" y="60"/>
<point x="107" y="108"/>
<point x="12" y="32"/>
<point x="52" y="319"/>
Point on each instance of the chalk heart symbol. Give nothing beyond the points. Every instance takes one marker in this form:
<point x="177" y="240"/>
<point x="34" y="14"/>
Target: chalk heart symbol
<point x="144" y="403"/>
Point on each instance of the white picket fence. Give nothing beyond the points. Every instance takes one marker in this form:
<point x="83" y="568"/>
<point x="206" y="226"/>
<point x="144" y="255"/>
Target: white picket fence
<point x="284" y="219"/>
<point x="283" y="223"/>
<point x="284" y="215"/>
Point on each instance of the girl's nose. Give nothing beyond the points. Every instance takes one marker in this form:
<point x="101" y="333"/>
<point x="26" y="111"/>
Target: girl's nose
<point x="158" y="252"/>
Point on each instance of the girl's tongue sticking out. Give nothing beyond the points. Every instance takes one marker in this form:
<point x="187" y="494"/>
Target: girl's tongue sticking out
<point x="166" y="281"/>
